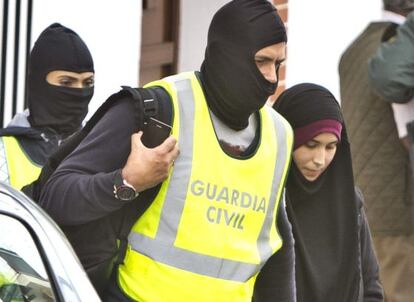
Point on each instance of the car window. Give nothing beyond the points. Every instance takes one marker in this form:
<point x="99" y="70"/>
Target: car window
<point x="23" y="275"/>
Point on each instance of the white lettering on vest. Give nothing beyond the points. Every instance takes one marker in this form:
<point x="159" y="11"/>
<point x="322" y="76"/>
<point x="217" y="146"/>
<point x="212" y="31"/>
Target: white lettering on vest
<point x="233" y="197"/>
<point x="229" y="196"/>
<point x="231" y="219"/>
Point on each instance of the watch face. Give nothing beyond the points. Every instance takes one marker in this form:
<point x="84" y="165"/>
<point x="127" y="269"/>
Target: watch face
<point x="125" y="193"/>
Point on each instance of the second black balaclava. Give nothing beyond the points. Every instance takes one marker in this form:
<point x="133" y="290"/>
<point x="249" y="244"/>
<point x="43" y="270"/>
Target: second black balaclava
<point x="234" y="86"/>
<point x="59" y="108"/>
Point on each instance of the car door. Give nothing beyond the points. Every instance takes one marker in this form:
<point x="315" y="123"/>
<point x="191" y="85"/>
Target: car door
<point x="36" y="261"/>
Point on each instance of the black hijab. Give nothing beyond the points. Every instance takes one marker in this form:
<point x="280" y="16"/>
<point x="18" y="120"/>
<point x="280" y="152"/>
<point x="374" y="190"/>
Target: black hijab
<point x="234" y="86"/>
<point x="323" y="213"/>
<point x="59" y="108"/>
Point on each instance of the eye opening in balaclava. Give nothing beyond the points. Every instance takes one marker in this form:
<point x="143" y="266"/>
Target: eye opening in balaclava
<point x="234" y="86"/>
<point x="70" y="79"/>
<point x="59" y="108"/>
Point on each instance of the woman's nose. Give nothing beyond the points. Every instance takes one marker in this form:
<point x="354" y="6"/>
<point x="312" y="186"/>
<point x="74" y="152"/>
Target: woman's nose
<point x="319" y="158"/>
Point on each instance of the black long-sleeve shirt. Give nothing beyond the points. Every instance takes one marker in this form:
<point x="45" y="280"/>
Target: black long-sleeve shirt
<point x="79" y="196"/>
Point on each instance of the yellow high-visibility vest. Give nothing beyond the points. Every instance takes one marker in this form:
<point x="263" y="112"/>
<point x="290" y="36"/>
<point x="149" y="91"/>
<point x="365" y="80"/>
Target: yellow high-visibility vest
<point x="212" y="225"/>
<point x="16" y="167"/>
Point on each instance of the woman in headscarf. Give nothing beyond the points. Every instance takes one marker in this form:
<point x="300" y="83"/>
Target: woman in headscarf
<point x="335" y="260"/>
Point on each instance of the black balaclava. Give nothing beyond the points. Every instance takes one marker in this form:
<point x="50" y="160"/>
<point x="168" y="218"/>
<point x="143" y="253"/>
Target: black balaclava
<point x="324" y="212"/>
<point x="234" y="86"/>
<point x="59" y="108"/>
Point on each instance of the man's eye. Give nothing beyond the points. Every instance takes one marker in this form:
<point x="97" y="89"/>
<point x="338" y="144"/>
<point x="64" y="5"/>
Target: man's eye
<point x="280" y="63"/>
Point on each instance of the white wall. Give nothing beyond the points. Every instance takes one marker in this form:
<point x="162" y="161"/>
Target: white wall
<point x="112" y="31"/>
<point x="319" y="31"/>
<point x="10" y="57"/>
<point x="195" y="18"/>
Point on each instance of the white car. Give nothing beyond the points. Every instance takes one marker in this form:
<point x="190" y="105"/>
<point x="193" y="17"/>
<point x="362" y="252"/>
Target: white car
<point x="36" y="261"/>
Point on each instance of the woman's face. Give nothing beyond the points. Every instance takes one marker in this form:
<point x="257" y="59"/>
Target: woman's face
<point x="313" y="157"/>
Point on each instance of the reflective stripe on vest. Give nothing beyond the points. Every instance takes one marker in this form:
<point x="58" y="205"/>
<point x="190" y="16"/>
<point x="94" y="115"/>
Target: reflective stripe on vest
<point x="20" y="168"/>
<point x="165" y="243"/>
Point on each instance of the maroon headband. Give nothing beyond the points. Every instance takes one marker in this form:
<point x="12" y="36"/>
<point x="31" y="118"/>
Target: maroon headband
<point x="306" y="133"/>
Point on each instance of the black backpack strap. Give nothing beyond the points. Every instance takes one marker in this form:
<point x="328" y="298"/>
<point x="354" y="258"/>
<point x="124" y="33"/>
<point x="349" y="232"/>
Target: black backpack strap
<point x="150" y="102"/>
<point x="146" y="104"/>
<point x="122" y="242"/>
<point x="144" y="110"/>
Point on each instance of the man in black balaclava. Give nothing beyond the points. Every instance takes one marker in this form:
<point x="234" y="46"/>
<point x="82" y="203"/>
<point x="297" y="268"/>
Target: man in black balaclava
<point x="60" y="85"/>
<point x="234" y="86"/>
<point x="203" y="218"/>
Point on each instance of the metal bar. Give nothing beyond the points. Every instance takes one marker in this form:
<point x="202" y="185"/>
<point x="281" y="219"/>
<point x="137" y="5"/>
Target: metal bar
<point x="16" y="56"/>
<point x="3" y="59"/>
<point x="28" y="42"/>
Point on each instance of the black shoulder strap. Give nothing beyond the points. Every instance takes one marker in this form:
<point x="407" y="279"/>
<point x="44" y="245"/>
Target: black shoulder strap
<point x="146" y="108"/>
<point x="149" y="107"/>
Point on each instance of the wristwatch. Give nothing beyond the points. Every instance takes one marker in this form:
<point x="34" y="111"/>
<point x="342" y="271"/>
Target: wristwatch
<point x="122" y="189"/>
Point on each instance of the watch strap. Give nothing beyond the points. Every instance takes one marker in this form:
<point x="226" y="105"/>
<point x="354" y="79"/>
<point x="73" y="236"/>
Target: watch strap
<point x="121" y="184"/>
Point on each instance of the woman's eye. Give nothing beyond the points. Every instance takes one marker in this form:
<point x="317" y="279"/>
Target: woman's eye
<point x="310" y="145"/>
<point x="65" y="82"/>
<point x="89" y="83"/>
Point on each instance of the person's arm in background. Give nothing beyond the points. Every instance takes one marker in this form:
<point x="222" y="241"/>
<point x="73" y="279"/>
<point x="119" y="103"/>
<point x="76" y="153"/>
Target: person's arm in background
<point x="81" y="188"/>
<point x="391" y="69"/>
<point x="276" y="280"/>
<point x="391" y="74"/>
<point x="373" y="291"/>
